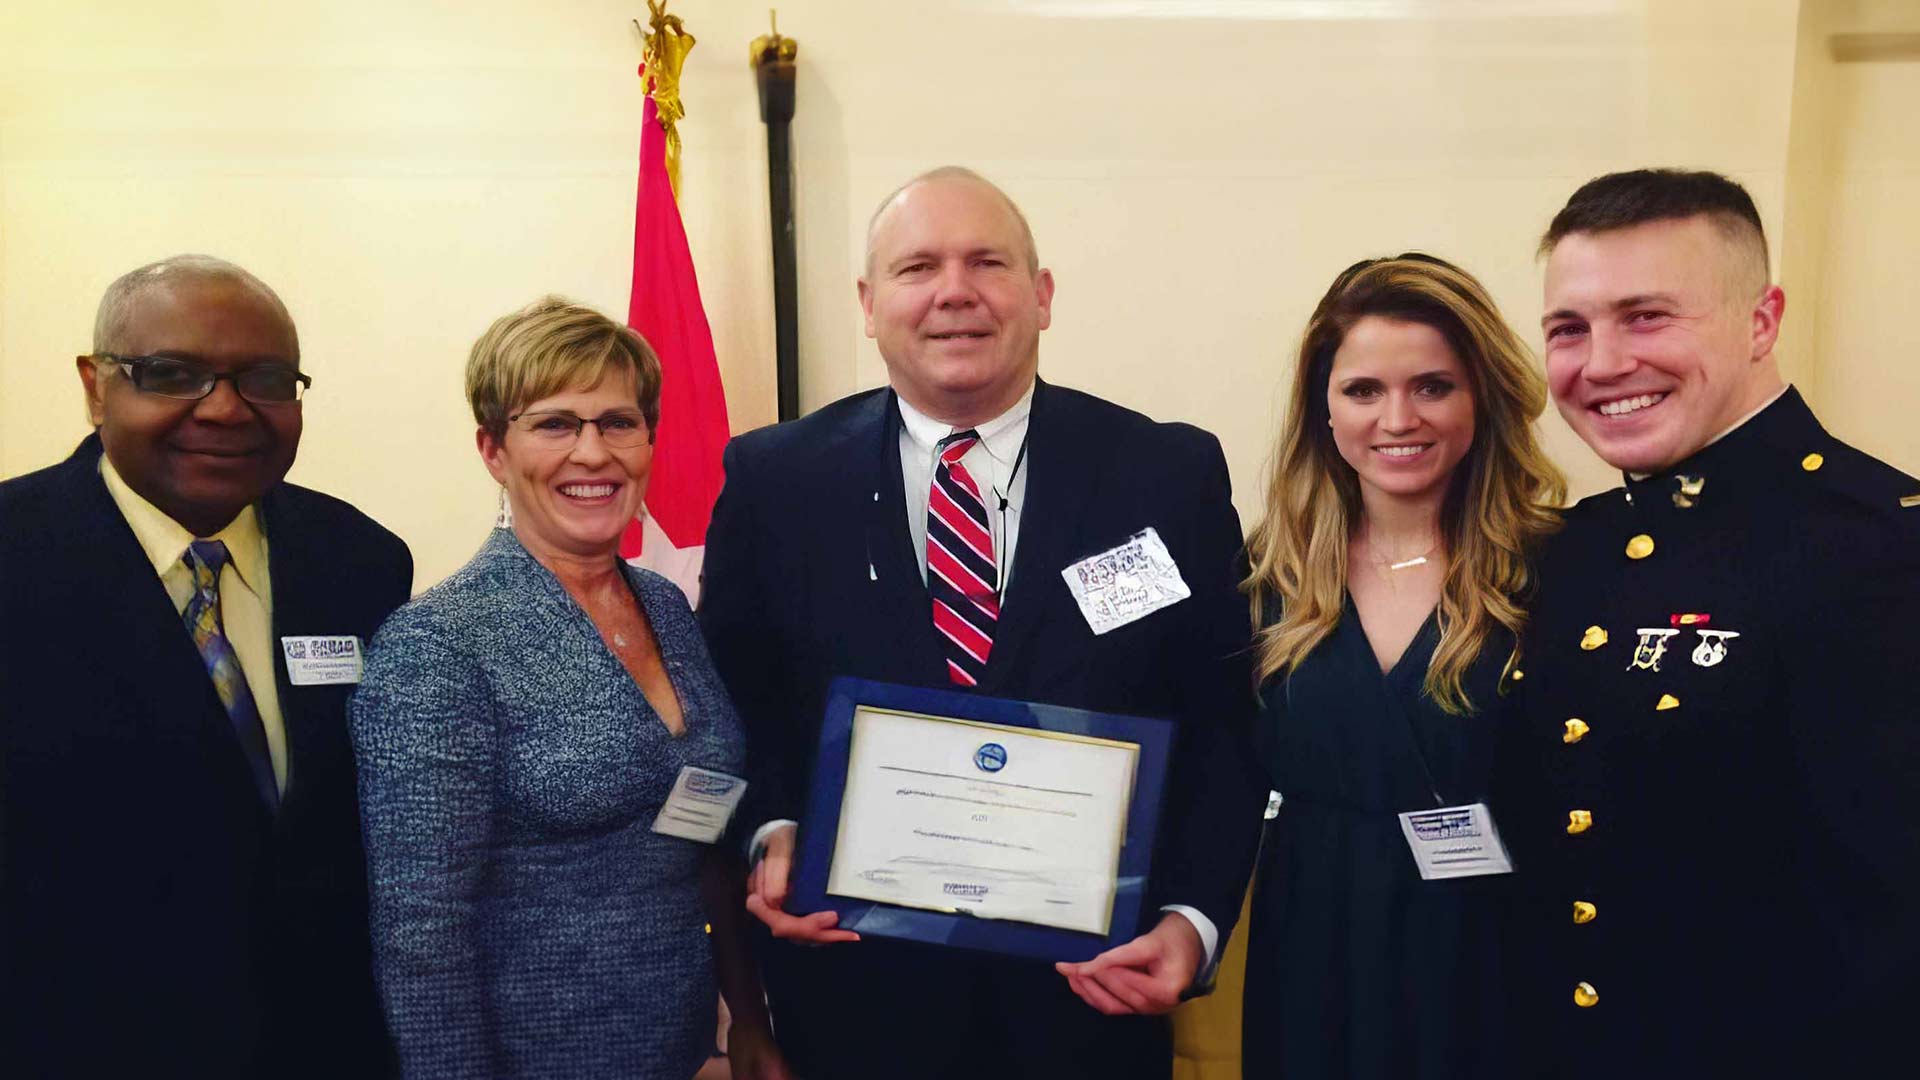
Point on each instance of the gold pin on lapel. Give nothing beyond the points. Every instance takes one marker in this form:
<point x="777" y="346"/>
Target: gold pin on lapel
<point x="1690" y="488"/>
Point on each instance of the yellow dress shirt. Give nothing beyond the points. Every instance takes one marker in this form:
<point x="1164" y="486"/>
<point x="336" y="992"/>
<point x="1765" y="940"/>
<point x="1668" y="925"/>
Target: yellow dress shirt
<point x="246" y="595"/>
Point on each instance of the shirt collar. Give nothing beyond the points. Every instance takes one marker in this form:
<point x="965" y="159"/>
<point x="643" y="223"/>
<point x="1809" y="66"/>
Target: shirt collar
<point x="164" y="540"/>
<point x="1001" y="435"/>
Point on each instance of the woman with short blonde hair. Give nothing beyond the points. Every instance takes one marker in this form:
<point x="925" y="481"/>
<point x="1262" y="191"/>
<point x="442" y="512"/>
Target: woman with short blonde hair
<point x="546" y="901"/>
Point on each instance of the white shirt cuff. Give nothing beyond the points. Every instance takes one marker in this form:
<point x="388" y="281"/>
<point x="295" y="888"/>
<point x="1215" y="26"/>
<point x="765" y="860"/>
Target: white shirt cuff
<point x="1209" y="933"/>
<point x="758" y="844"/>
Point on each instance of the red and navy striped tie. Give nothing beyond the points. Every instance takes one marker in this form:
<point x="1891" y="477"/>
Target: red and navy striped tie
<point x="961" y="574"/>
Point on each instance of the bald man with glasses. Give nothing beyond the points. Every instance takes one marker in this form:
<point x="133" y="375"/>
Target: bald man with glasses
<point x="183" y="883"/>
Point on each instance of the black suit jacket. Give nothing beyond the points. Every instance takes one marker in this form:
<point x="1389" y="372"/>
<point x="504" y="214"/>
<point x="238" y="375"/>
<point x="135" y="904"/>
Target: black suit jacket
<point x="810" y="574"/>
<point x="157" y="919"/>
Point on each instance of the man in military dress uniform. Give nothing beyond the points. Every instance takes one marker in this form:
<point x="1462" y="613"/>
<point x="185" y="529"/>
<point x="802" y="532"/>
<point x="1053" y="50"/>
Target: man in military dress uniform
<point x="1710" y="792"/>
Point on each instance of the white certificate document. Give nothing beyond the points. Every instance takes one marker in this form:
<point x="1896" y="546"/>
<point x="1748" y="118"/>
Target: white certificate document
<point x="998" y="821"/>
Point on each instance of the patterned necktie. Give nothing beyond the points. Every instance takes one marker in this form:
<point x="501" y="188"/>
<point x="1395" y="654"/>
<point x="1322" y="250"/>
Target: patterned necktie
<point x="205" y="559"/>
<point x="961" y="574"/>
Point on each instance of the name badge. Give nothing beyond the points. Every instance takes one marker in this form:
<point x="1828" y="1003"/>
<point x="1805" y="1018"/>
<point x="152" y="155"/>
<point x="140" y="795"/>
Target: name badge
<point x="1455" y="841"/>
<point x="702" y="803"/>
<point x="322" y="661"/>
<point x="1127" y="583"/>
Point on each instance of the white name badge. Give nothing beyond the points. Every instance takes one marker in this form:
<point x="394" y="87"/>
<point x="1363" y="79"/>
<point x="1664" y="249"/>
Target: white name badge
<point x="700" y="806"/>
<point x="1127" y="583"/>
<point x="1455" y="841"/>
<point x="322" y="661"/>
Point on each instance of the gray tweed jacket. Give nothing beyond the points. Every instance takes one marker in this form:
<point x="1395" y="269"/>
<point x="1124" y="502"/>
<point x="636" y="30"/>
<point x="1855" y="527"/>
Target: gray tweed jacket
<point x="527" y="921"/>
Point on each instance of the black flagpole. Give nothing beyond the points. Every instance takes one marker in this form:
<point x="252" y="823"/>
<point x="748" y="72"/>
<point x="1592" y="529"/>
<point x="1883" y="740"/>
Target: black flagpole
<point x="773" y="68"/>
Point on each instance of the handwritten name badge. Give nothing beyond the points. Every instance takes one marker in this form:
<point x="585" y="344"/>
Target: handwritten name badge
<point x="1127" y="583"/>
<point x="701" y="804"/>
<point x="322" y="661"/>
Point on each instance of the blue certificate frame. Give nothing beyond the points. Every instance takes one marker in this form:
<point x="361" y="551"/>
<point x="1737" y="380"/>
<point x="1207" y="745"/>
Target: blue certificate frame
<point x="821" y="827"/>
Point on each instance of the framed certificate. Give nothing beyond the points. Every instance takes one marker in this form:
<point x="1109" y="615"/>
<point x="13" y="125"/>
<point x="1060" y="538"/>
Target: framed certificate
<point x="981" y="823"/>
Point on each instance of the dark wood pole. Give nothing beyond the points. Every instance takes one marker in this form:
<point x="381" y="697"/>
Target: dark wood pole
<point x="773" y="67"/>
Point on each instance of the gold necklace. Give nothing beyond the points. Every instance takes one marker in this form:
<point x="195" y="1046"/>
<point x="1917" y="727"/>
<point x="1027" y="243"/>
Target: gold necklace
<point x="1389" y="564"/>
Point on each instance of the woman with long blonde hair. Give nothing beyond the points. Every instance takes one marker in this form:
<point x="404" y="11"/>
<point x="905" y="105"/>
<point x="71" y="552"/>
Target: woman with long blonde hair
<point x="1388" y="588"/>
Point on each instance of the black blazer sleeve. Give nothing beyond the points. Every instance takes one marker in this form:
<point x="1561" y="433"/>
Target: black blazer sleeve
<point x="735" y="604"/>
<point x="1211" y="822"/>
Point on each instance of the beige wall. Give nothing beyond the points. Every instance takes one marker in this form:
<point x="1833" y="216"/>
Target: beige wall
<point x="403" y="173"/>
<point x="1856" y="155"/>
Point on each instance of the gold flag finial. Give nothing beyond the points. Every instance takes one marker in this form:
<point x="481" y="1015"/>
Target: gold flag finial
<point x="772" y="46"/>
<point x="666" y="52"/>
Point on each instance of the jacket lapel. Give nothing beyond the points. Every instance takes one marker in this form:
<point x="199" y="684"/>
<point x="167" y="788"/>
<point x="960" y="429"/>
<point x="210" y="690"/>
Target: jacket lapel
<point x="306" y="603"/>
<point x="153" y="647"/>
<point x="1062" y="473"/>
<point x="903" y="614"/>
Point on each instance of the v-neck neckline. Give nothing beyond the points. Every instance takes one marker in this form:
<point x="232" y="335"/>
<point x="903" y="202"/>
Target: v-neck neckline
<point x="659" y="643"/>
<point x="584" y="623"/>
<point x="1393" y="672"/>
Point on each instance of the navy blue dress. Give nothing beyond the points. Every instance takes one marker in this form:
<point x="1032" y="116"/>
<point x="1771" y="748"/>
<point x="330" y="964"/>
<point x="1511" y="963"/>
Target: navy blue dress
<point x="527" y="920"/>
<point x="1356" y="967"/>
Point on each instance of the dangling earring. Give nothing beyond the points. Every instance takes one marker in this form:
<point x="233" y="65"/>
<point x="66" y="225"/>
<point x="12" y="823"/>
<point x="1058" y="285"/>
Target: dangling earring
<point x="503" y="518"/>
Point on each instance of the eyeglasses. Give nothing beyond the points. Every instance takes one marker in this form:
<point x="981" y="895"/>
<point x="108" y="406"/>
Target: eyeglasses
<point x="191" y="380"/>
<point x="560" y="430"/>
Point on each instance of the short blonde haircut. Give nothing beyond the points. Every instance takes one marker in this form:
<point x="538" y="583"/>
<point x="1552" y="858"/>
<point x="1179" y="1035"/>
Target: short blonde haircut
<point x="550" y="346"/>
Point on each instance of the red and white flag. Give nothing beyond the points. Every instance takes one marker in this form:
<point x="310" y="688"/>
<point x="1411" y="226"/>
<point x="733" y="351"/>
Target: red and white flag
<point x="670" y="538"/>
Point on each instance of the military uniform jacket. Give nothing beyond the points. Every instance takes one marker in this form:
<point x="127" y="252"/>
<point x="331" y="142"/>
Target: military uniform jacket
<point x="1710" y="793"/>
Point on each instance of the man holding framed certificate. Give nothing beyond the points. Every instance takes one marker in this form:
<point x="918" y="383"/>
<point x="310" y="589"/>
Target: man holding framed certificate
<point x="980" y="535"/>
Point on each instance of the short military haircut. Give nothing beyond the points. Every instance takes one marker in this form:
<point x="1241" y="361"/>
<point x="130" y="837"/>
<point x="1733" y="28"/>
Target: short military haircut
<point x="1624" y="199"/>
<point x="961" y="173"/>
<point x="121" y="300"/>
<point x="549" y="347"/>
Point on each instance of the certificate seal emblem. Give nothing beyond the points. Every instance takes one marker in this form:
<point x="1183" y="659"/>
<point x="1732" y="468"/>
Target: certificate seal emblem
<point x="991" y="757"/>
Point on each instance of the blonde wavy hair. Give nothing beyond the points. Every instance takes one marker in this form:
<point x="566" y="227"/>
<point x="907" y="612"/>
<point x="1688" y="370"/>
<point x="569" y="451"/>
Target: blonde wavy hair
<point x="1502" y="501"/>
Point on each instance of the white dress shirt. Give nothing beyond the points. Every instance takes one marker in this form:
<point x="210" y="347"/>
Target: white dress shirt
<point x="995" y="463"/>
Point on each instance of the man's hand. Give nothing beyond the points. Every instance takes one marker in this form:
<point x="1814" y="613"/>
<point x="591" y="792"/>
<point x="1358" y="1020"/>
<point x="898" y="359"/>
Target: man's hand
<point x="767" y="892"/>
<point x="1146" y="975"/>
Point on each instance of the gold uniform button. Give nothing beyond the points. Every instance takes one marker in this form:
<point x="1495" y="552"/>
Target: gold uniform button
<point x="1579" y="821"/>
<point x="1518" y="674"/>
<point x="1812" y="462"/>
<point x="1576" y="730"/>
<point x="1667" y="701"/>
<point x="1594" y="638"/>
<point x="1584" y="912"/>
<point x="1640" y="547"/>
<point x="1585" y="996"/>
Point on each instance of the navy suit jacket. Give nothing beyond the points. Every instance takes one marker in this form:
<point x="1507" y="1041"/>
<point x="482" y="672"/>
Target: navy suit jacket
<point x="154" y="917"/>
<point x="811" y="573"/>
